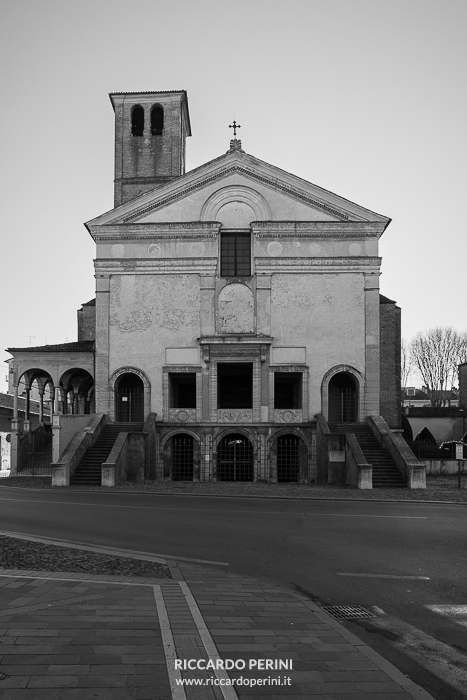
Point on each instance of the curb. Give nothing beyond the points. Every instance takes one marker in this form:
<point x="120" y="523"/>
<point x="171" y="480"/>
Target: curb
<point x="224" y="495"/>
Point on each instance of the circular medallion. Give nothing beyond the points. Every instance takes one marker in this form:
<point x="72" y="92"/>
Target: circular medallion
<point x="196" y="249"/>
<point x="274" y="248"/>
<point x="288" y="416"/>
<point x="182" y="415"/>
<point x="154" y="250"/>
<point x="315" y="249"/>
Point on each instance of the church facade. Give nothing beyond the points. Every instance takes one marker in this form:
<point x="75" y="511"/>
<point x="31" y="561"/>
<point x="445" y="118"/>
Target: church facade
<point x="234" y="304"/>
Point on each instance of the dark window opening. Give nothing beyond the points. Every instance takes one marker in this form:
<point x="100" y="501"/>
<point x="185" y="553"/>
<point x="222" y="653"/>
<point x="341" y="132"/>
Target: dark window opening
<point x="235" y="385"/>
<point x="183" y="390"/>
<point x="157" y="121"/>
<point x="235" y="255"/>
<point x="137" y="121"/>
<point x="287" y="390"/>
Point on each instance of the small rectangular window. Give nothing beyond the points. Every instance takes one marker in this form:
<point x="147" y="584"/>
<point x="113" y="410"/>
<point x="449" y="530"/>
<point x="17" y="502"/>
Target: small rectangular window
<point x="235" y="255"/>
<point x="287" y="390"/>
<point x="182" y="387"/>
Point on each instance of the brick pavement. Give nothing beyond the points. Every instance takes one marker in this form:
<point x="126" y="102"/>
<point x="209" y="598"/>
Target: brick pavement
<point x="79" y="637"/>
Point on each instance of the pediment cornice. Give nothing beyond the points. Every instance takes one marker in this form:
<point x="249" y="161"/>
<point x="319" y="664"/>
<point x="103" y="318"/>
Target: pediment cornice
<point x="244" y="168"/>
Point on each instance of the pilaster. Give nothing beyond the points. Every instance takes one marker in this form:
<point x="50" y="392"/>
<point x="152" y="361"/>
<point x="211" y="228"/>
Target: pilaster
<point x="102" y="343"/>
<point x="372" y="341"/>
<point x="263" y="304"/>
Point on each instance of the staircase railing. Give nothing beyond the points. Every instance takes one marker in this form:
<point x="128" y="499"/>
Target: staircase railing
<point x="413" y="471"/>
<point x="340" y="458"/>
<point x="358" y="471"/>
<point x="65" y="466"/>
<point x="114" y="469"/>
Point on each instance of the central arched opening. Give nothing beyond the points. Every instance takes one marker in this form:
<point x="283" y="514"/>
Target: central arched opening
<point x="343" y="398"/>
<point x="235" y="458"/>
<point x="129" y="399"/>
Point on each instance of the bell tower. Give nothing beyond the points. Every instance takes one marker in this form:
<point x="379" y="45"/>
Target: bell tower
<point x="150" y="138"/>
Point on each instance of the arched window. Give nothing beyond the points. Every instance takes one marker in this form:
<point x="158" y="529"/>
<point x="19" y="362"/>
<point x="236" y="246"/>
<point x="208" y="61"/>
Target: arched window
<point x="288" y="458"/>
<point x="157" y="120"/>
<point x="182" y="457"/>
<point x="137" y="121"/>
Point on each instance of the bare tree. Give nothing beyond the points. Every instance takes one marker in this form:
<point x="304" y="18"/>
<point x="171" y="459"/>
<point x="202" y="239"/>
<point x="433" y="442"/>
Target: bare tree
<point x="436" y="354"/>
<point x="406" y="363"/>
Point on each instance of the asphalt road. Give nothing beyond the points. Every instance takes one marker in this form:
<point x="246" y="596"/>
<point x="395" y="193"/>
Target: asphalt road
<point x="408" y="559"/>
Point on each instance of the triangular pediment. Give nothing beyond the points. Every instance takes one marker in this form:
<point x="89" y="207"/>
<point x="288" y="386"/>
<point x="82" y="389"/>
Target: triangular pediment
<point x="237" y="187"/>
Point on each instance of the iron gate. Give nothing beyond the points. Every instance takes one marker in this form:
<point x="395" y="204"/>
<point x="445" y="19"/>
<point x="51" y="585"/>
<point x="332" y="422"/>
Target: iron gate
<point x="130" y="400"/>
<point x="342" y="405"/>
<point x="182" y="458"/>
<point x="235" y="459"/>
<point x="288" y="458"/>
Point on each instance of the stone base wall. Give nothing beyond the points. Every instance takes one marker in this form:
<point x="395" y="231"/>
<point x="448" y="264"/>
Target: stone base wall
<point x="263" y="439"/>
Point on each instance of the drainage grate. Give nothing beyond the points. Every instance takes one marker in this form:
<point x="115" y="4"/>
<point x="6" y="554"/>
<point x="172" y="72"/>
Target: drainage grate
<point x="347" y="612"/>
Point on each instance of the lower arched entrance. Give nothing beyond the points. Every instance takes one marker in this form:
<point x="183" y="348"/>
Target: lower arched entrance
<point x="288" y="458"/>
<point x="235" y="458"/>
<point x="343" y="398"/>
<point x="182" y="457"/>
<point x="129" y="399"/>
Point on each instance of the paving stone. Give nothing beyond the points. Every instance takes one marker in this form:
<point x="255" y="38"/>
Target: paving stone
<point x="53" y="682"/>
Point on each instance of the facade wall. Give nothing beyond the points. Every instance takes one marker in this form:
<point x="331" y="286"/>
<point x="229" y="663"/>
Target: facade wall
<point x="149" y="314"/>
<point x="87" y="322"/>
<point x="390" y="352"/>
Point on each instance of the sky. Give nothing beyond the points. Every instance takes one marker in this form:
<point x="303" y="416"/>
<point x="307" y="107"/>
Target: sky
<point x="365" y="98"/>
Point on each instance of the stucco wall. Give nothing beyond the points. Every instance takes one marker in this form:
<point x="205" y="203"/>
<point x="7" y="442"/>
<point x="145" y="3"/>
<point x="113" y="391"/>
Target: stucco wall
<point x="325" y="314"/>
<point x="149" y="313"/>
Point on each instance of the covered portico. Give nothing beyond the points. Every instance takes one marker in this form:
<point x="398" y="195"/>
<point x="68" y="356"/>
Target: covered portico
<point x="59" y="377"/>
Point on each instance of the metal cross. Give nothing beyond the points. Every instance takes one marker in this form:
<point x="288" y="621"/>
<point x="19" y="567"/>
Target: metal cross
<point x="234" y="126"/>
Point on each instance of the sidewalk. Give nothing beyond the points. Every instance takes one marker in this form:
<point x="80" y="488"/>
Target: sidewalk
<point x="68" y="636"/>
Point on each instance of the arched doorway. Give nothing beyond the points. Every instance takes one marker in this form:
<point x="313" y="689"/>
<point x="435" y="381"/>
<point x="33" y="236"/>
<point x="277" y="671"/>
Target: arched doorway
<point x="129" y="399"/>
<point x="182" y="457"/>
<point x="288" y="458"/>
<point x="343" y="398"/>
<point x="235" y="459"/>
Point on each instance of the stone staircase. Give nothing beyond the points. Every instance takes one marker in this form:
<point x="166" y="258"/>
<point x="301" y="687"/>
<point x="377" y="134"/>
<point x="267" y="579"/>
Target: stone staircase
<point x="385" y="472"/>
<point x="88" y="471"/>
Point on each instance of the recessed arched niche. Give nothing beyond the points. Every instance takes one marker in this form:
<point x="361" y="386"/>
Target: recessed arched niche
<point x="235" y="215"/>
<point x="235" y="309"/>
<point x="235" y="206"/>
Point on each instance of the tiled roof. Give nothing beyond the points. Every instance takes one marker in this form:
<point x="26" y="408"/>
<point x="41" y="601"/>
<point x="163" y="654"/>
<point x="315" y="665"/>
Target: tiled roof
<point x="385" y="300"/>
<point x="146" y="92"/>
<point x="90" y="303"/>
<point x="78" y="346"/>
<point x="6" y="401"/>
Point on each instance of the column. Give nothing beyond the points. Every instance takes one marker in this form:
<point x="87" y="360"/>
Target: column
<point x="14" y="433"/>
